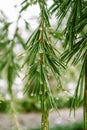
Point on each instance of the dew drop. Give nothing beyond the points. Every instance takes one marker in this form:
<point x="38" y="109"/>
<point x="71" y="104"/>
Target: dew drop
<point x="41" y="83"/>
<point x="40" y="51"/>
<point x="54" y="34"/>
<point x="42" y="123"/>
<point x="38" y="70"/>
<point x="67" y="99"/>
<point x="40" y="93"/>
<point x="43" y="65"/>
<point x="57" y="98"/>
<point x="32" y="94"/>
<point x="40" y="29"/>
<point x="36" y="61"/>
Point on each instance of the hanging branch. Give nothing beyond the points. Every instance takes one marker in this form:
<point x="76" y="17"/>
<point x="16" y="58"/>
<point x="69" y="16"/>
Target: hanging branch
<point x="75" y="43"/>
<point x="8" y="61"/>
<point x="42" y="59"/>
<point x="85" y="95"/>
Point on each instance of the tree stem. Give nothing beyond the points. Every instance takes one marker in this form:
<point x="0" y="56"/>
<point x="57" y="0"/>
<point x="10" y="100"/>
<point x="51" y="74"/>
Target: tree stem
<point x="45" y="112"/>
<point x="85" y="100"/>
<point x="44" y="103"/>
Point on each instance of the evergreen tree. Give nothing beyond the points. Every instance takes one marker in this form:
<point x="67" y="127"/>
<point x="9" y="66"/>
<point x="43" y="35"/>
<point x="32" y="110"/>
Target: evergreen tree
<point x="42" y="57"/>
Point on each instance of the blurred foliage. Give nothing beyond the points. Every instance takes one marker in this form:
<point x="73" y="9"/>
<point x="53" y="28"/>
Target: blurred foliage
<point x="1" y="98"/>
<point x="74" y="126"/>
<point x="32" y="104"/>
